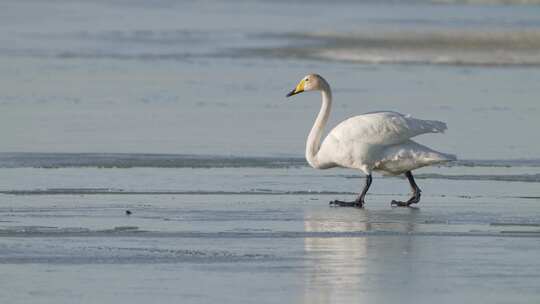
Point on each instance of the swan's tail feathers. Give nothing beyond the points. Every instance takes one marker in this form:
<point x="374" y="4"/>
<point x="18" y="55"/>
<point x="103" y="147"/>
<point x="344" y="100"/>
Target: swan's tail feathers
<point x="448" y="157"/>
<point x="431" y="157"/>
<point x="434" y="126"/>
<point x="436" y="157"/>
<point x="409" y="156"/>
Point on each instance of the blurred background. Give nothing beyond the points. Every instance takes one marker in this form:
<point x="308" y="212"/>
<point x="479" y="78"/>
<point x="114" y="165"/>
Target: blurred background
<point x="210" y="77"/>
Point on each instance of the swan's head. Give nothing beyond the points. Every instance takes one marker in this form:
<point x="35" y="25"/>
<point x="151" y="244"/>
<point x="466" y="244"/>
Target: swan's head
<point x="311" y="82"/>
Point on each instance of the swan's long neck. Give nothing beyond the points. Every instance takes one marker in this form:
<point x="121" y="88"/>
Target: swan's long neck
<point x="314" y="138"/>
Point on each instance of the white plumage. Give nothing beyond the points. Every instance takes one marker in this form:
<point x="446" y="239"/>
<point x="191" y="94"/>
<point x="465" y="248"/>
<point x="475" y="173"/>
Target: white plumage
<point x="378" y="141"/>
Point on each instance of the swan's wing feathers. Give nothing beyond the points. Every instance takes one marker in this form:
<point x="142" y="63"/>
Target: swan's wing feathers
<point x="409" y="155"/>
<point x="385" y="128"/>
<point x="425" y="126"/>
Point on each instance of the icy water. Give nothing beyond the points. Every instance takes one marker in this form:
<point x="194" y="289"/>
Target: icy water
<point x="175" y="112"/>
<point x="214" y="229"/>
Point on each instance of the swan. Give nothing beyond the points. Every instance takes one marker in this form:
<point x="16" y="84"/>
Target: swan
<point x="377" y="141"/>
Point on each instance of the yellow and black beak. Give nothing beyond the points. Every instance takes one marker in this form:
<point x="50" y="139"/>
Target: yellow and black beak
<point x="299" y="89"/>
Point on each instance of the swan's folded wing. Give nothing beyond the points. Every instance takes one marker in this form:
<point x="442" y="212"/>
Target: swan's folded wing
<point x="384" y="128"/>
<point x="409" y="155"/>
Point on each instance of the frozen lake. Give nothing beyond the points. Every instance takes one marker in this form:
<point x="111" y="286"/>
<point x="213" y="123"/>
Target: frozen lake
<point x="281" y="248"/>
<point x="223" y="207"/>
<point x="206" y="235"/>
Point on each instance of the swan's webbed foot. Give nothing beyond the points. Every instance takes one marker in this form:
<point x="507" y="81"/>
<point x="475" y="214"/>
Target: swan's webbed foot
<point x="356" y="203"/>
<point x="359" y="201"/>
<point x="415" y="199"/>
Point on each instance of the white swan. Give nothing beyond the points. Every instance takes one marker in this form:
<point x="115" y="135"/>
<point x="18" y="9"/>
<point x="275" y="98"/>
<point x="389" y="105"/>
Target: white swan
<point x="379" y="141"/>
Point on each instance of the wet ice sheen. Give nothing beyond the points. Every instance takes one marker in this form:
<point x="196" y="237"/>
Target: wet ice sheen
<point x="187" y="78"/>
<point x="264" y="232"/>
<point x="289" y="248"/>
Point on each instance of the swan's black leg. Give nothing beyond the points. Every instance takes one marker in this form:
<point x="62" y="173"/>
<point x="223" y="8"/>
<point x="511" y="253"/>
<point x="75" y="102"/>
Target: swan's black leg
<point x="415" y="198"/>
<point x="359" y="202"/>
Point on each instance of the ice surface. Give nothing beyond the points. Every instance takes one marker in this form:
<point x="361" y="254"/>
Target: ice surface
<point x="269" y="247"/>
<point x="188" y="79"/>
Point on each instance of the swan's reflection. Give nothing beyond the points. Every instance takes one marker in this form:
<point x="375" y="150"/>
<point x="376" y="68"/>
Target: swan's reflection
<point x="342" y="268"/>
